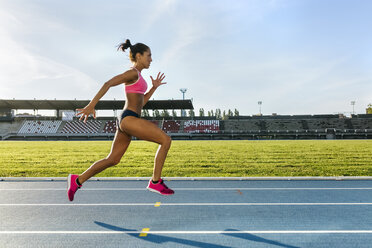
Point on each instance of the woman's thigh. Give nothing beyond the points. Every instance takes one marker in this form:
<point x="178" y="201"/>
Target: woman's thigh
<point x="143" y="129"/>
<point x="119" y="145"/>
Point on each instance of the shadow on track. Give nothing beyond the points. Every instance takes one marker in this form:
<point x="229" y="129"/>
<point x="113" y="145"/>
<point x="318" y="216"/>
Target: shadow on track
<point x="161" y="239"/>
<point x="255" y="238"/>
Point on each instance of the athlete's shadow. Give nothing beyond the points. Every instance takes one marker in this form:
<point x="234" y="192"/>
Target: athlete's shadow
<point x="255" y="238"/>
<point x="161" y="239"/>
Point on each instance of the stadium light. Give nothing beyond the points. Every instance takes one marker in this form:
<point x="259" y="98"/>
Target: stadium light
<point x="353" y="104"/>
<point x="260" y="104"/>
<point x="183" y="90"/>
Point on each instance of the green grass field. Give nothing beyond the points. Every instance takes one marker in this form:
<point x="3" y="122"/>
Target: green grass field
<point x="191" y="158"/>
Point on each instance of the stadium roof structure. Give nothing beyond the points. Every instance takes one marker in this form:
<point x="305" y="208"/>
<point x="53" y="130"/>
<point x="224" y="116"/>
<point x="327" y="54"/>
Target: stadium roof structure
<point x="102" y="105"/>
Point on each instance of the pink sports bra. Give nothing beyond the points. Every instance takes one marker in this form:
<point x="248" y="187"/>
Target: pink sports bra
<point x="140" y="86"/>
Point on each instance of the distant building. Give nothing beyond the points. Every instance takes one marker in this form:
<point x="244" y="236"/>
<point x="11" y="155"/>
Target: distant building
<point x="369" y="109"/>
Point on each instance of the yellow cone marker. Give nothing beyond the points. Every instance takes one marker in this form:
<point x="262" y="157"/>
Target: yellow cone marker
<point x="144" y="232"/>
<point x="157" y="204"/>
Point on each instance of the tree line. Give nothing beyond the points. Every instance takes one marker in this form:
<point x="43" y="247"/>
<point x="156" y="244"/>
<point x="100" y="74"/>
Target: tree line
<point x="218" y="113"/>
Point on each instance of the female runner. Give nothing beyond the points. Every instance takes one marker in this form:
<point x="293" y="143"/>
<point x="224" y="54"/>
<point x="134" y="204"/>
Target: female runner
<point x="129" y="123"/>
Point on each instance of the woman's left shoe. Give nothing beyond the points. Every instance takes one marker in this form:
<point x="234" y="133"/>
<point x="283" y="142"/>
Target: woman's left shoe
<point x="72" y="186"/>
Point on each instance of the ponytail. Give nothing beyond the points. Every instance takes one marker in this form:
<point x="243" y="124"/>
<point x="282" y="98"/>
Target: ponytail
<point x="134" y="49"/>
<point x="125" y="45"/>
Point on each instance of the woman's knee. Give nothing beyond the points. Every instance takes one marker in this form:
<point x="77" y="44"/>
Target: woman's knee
<point x="111" y="161"/>
<point x="167" y="141"/>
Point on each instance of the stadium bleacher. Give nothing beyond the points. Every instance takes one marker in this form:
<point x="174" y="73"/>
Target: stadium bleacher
<point x="201" y="126"/>
<point x="110" y="127"/>
<point x="280" y="124"/>
<point x="284" y="125"/>
<point x="290" y="127"/>
<point x="361" y="123"/>
<point x="81" y="127"/>
<point x="242" y="125"/>
<point x="171" y="126"/>
<point x="64" y="124"/>
<point x="37" y="127"/>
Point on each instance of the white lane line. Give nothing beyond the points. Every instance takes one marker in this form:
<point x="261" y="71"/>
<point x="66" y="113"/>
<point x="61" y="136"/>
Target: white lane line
<point x="197" y="232"/>
<point x="190" y="204"/>
<point x="185" y="189"/>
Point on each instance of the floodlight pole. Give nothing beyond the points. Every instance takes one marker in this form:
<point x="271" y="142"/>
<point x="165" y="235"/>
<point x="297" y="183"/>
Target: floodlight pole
<point x="183" y="90"/>
<point x="353" y="104"/>
<point x="260" y="104"/>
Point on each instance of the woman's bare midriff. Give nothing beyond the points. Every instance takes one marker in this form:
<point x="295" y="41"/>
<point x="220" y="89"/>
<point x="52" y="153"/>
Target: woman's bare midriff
<point x="134" y="102"/>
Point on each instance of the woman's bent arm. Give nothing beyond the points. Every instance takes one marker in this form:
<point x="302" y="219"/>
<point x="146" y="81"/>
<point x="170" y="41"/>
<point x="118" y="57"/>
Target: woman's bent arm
<point x="119" y="79"/>
<point x="155" y="84"/>
<point x="147" y="96"/>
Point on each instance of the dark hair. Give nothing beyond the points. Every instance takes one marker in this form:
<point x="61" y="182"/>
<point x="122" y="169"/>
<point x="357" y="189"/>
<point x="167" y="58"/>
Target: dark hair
<point x="137" y="48"/>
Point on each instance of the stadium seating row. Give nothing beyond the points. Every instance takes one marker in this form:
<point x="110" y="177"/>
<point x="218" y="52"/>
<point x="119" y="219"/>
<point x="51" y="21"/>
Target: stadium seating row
<point x="171" y="126"/>
<point x="81" y="127"/>
<point x="78" y="127"/>
<point x="199" y="126"/>
<point x="167" y="126"/>
<point x="110" y="126"/>
<point x="40" y="127"/>
<point x="297" y="124"/>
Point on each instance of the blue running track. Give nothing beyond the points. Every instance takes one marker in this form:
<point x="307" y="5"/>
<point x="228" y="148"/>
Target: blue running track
<point x="235" y="213"/>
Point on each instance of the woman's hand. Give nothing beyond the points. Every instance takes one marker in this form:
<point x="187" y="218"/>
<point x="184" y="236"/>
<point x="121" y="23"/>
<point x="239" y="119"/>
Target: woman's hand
<point x="158" y="81"/>
<point x="85" y="112"/>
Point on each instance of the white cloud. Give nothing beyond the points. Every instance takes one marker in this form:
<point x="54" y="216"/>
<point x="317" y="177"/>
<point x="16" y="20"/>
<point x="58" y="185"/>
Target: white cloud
<point x="160" y="9"/>
<point x="26" y="75"/>
<point x="23" y="71"/>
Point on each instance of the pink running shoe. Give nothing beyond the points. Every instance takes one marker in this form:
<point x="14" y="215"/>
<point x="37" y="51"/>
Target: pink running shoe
<point x="72" y="186"/>
<point x="160" y="188"/>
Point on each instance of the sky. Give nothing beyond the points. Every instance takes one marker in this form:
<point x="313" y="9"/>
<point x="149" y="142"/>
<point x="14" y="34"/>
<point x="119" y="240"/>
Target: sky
<point x="296" y="56"/>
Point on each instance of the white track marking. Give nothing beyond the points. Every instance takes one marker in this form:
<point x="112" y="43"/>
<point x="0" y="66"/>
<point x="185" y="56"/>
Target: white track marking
<point x="197" y="232"/>
<point x="183" y="189"/>
<point x="191" y="204"/>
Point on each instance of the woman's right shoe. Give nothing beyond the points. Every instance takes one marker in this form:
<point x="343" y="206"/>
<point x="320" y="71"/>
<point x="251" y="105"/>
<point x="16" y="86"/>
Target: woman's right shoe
<point x="159" y="188"/>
